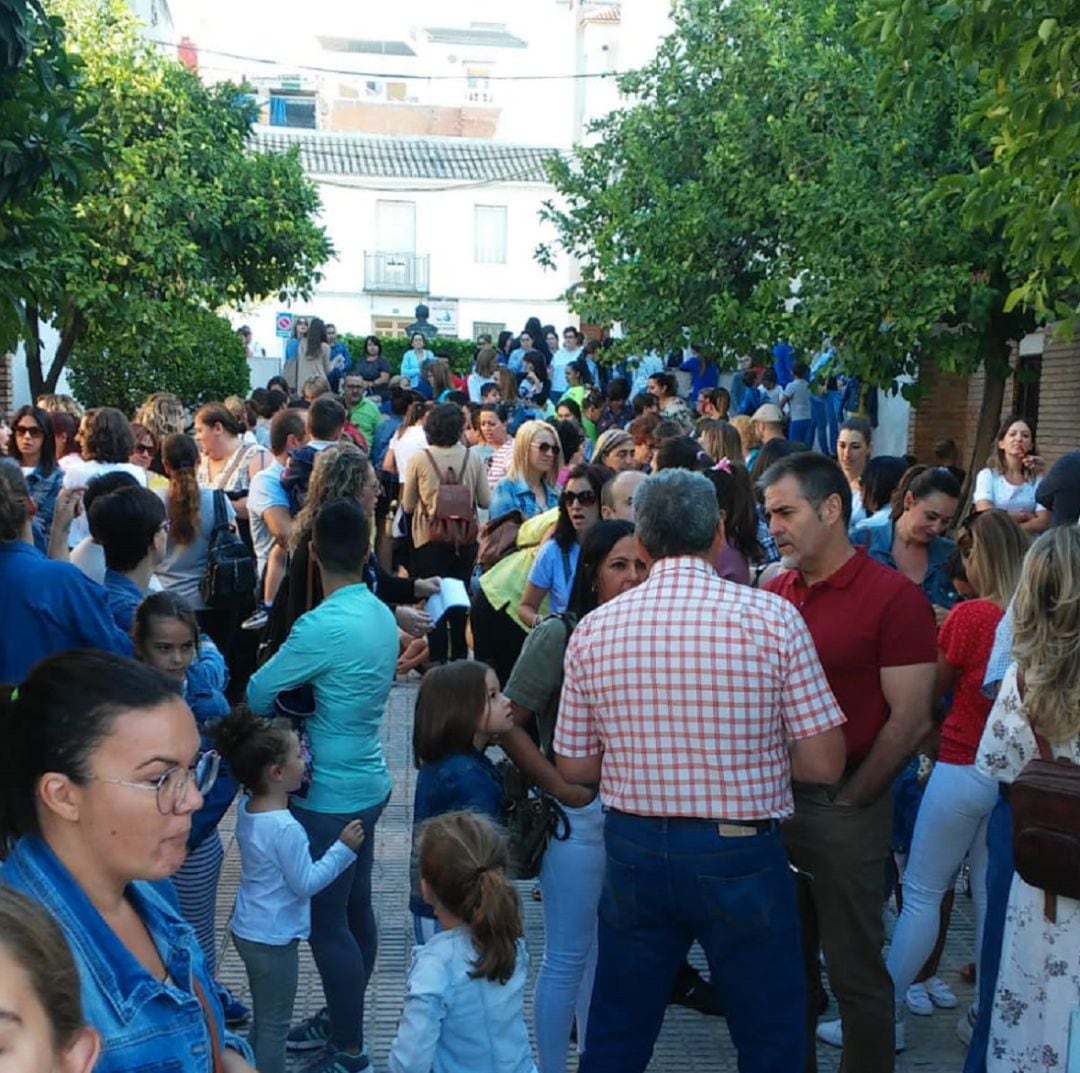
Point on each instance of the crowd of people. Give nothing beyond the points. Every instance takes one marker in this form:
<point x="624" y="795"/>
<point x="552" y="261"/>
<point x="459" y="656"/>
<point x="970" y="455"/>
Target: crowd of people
<point x="757" y="681"/>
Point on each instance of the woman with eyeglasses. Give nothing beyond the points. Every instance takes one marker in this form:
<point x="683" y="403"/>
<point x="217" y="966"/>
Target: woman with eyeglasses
<point x="33" y="446"/>
<point x="103" y="770"/>
<point x="530" y="484"/>
<point x="552" y="574"/>
<point x="166" y="637"/>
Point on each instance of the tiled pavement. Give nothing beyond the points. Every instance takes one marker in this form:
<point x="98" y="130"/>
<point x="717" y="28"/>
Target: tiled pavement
<point x="689" y="1043"/>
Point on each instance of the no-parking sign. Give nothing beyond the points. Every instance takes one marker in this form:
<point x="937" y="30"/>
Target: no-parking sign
<point x="284" y="325"/>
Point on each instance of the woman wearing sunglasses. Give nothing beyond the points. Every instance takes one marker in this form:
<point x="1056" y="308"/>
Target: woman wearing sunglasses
<point x="530" y="484"/>
<point x="33" y="446"/>
<point x="552" y="574"/>
<point x="104" y="769"/>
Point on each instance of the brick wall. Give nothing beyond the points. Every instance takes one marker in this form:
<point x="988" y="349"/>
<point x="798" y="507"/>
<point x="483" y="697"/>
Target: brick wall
<point x="1059" y="398"/>
<point x="413" y="119"/>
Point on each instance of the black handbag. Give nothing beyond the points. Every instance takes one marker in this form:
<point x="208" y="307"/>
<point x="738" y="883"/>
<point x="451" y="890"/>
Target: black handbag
<point x="532" y="819"/>
<point x="229" y="575"/>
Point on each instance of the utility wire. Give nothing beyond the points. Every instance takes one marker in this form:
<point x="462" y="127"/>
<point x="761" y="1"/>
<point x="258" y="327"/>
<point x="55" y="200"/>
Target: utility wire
<point x="290" y="66"/>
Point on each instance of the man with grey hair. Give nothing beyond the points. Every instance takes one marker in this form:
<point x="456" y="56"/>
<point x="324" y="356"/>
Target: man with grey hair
<point x="694" y="743"/>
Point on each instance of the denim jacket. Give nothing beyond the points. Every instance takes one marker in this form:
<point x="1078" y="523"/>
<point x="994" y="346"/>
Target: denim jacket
<point x="937" y="585"/>
<point x="515" y="494"/>
<point x="452" y="1023"/>
<point x="467" y="781"/>
<point x="146" y="1026"/>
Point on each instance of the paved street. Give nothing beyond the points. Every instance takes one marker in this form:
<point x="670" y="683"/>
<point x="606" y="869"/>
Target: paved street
<point x="689" y="1042"/>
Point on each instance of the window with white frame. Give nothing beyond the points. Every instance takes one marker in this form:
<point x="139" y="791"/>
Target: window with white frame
<point x="490" y="243"/>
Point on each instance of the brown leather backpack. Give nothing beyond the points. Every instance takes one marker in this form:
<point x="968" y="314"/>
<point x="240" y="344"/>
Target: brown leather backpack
<point x="454" y="521"/>
<point x="1045" y="800"/>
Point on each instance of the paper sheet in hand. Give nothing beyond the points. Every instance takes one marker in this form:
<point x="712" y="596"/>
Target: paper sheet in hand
<point x="452" y="593"/>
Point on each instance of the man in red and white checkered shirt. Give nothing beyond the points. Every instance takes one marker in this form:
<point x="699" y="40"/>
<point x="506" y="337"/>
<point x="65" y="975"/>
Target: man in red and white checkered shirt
<point x="691" y="700"/>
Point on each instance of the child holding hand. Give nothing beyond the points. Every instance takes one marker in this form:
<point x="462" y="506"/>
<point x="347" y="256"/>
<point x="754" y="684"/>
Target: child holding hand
<point x="277" y="875"/>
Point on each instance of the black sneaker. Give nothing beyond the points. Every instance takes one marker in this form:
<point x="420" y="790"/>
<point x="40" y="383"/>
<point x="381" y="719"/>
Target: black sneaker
<point x="694" y="992"/>
<point x="311" y="1034"/>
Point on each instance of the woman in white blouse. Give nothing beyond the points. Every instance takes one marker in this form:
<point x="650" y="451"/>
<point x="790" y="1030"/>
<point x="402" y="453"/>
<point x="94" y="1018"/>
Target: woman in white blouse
<point x="1011" y="478"/>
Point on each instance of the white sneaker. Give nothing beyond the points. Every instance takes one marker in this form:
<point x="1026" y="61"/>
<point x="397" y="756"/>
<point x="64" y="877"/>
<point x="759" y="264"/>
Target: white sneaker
<point x="918" y="1001"/>
<point x="940" y="993"/>
<point x="965" y="1027"/>
<point x="832" y="1032"/>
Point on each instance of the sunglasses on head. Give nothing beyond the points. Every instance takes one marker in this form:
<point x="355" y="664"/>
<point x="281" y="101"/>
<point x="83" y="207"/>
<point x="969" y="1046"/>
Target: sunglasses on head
<point x="586" y="498"/>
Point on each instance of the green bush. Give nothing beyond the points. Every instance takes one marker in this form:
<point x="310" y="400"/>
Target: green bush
<point x="461" y="351"/>
<point x="195" y="354"/>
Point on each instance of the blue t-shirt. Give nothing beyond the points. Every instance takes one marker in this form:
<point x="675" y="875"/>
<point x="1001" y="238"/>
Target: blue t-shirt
<point x="266" y="491"/>
<point x="554" y="570"/>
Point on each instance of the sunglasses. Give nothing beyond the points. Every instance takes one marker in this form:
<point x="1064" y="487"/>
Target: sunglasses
<point x="33" y="431"/>
<point x="586" y="498"/>
<point x="546" y="448"/>
<point x="143" y="449"/>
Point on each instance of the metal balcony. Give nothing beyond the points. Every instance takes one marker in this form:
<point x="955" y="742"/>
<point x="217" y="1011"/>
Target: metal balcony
<point x="396" y="273"/>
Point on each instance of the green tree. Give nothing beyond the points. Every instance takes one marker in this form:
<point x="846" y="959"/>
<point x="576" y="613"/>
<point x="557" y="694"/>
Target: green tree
<point x="1024" y="59"/>
<point x="42" y="145"/>
<point x="180" y="216"/>
<point x="762" y="188"/>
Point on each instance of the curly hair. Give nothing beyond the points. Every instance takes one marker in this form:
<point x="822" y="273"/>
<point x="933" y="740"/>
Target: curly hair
<point x="161" y="414"/>
<point x="1046" y="641"/>
<point x="107" y="437"/>
<point x="340" y="472"/>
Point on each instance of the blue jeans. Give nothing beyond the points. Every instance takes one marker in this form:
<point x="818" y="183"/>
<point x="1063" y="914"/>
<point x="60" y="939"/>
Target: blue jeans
<point x="802" y="432"/>
<point x="999" y="874"/>
<point x="571" y="877"/>
<point x="667" y="883"/>
<point x="343" y="935"/>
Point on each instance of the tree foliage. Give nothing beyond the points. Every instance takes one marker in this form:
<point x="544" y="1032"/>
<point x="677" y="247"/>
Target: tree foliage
<point x="1024" y="60"/>
<point x="761" y="186"/>
<point x="178" y="217"/>
<point x="204" y="360"/>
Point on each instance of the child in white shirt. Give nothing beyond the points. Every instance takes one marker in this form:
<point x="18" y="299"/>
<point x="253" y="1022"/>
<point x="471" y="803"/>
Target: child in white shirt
<point x="277" y="874"/>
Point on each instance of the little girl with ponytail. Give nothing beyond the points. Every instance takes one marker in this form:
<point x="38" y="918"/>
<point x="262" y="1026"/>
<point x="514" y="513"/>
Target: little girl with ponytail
<point x="464" y="998"/>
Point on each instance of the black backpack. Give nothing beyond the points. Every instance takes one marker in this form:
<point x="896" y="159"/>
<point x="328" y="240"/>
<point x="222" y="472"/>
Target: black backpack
<point x="230" y="567"/>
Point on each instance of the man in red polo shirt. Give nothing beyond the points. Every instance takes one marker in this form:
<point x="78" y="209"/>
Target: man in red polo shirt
<point x="875" y="636"/>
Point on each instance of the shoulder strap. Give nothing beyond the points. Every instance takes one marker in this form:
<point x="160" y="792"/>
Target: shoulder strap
<point x="435" y="465"/>
<point x="221" y="517"/>
<point x="1044" y="746"/>
<point x="216" y="1059"/>
<point x="230" y="469"/>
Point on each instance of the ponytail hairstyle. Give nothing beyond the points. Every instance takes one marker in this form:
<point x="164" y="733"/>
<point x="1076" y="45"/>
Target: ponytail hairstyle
<point x="250" y="744"/>
<point x="180" y="454"/>
<point x="923" y="481"/>
<point x="217" y="413"/>
<point x="463" y="858"/>
<point x="56" y="720"/>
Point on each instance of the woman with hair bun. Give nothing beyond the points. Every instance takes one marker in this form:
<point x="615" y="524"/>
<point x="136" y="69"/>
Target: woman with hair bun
<point x="227" y="464"/>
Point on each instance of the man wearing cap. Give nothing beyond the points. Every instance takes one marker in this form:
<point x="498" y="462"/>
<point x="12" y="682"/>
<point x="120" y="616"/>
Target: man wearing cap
<point x="768" y="423"/>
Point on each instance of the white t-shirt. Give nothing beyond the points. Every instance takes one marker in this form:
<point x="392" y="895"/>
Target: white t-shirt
<point x="265" y="492"/>
<point x="991" y="485"/>
<point x="79" y="474"/>
<point x="559" y="361"/>
<point x="278" y="876"/>
<point x="797" y="394"/>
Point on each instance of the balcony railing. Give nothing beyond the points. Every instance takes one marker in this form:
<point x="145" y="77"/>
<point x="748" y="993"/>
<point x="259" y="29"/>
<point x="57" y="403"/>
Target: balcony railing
<point x="396" y="273"/>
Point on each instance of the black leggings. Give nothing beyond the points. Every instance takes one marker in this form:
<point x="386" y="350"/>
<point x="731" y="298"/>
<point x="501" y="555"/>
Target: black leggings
<point x="497" y="638"/>
<point x="447" y="639"/>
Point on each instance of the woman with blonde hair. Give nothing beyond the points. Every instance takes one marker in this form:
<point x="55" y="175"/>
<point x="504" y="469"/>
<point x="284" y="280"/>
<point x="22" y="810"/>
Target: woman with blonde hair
<point x="530" y="485"/>
<point x="955" y="810"/>
<point x="1038" y="984"/>
<point x="720" y="439"/>
<point x="748" y="437"/>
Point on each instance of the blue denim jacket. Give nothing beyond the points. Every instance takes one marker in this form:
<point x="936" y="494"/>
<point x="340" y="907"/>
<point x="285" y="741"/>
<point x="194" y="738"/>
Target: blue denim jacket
<point x="145" y="1025"/>
<point x="452" y="1023"/>
<point x="515" y="494"/>
<point x="458" y="781"/>
<point x="878" y="541"/>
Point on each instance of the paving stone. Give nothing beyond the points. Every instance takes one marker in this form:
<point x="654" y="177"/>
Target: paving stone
<point x="688" y="1043"/>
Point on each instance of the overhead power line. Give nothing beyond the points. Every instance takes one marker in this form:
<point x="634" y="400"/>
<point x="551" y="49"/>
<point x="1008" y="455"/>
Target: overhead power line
<point x="397" y="77"/>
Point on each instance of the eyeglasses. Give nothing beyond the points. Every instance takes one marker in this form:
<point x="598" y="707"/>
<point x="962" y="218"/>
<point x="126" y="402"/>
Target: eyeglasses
<point x="546" y="448"/>
<point x="33" y="431"/>
<point x="586" y="498"/>
<point x="172" y="786"/>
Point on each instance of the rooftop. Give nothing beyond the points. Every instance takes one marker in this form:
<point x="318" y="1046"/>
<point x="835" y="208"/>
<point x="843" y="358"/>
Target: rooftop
<point x="394" y="156"/>
<point x="355" y="44"/>
<point x="491" y="35"/>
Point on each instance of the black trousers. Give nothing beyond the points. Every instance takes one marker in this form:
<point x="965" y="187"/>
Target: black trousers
<point x="447" y="638"/>
<point x="497" y="638"/>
